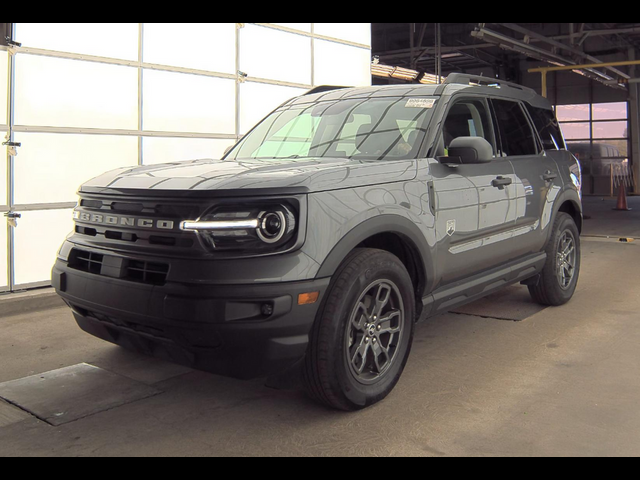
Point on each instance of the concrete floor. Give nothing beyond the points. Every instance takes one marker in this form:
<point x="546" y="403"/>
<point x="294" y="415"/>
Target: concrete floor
<point x="563" y="382"/>
<point x="602" y="220"/>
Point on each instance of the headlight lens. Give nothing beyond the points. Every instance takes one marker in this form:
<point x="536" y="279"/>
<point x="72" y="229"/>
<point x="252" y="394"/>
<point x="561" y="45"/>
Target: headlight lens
<point x="272" y="225"/>
<point x="263" y="228"/>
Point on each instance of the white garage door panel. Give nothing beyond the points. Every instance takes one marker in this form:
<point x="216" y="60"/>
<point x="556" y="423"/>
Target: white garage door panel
<point x="352" y="32"/>
<point x="58" y="92"/>
<point x="211" y="46"/>
<point x="166" y="150"/>
<point x="3" y="86"/>
<point x="338" y="64"/>
<point x="38" y="237"/>
<point x="4" y="282"/>
<point x="275" y="55"/>
<point x="187" y="103"/>
<point x="3" y="175"/>
<point x="50" y="167"/>
<point x="303" y="27"/>
<point x="257" y="100"/>
<point x="115" y="40"/>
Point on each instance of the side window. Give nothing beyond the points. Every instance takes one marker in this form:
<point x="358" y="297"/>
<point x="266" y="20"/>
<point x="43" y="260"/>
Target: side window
<point x="515" y="131"/>
<point x="548" y="128"/>
<point x="467" y="118"/>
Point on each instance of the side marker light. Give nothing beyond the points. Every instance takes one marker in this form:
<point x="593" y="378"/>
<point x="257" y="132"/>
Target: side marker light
<point x="308" y="298"/>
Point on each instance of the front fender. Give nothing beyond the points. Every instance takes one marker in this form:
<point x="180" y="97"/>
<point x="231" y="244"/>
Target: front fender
<point x="387" y="223"/>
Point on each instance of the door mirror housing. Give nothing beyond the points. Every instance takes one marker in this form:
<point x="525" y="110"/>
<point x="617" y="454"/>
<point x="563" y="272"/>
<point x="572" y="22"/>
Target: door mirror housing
<point x="469" y="150"/>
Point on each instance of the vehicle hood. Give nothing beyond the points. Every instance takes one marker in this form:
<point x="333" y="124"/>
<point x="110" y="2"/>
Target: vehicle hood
<point x="305" y="175"/>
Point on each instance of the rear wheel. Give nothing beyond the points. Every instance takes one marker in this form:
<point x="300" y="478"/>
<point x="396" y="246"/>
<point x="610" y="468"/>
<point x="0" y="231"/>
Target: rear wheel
<point x="558" y="280"/>
<point x="363" y="334"/>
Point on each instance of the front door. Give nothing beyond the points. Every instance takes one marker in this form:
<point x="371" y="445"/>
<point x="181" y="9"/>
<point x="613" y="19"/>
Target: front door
<point x="474" y="204"/>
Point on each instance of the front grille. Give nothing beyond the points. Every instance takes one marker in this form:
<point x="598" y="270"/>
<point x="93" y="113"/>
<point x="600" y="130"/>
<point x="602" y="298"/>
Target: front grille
<point x="162" y="207"/>
<point x="138" y="225"/>
<point x="140" y="271"/>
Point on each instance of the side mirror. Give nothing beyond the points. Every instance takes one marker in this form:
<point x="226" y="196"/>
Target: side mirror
<point x="469" y="150"/>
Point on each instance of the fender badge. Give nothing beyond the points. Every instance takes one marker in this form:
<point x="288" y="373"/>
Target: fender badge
<point x="451" y="227"/>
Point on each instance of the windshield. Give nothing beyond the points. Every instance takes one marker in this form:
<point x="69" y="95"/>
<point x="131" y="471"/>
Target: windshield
<point x="388" y="128"/>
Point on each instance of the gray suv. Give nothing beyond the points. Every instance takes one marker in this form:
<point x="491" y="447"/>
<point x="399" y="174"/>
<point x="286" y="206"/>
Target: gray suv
<point x="316" y="244"/>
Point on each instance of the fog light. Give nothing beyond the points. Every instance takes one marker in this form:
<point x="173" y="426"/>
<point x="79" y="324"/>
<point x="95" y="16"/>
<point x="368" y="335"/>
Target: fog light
<point x="266" y="309"/>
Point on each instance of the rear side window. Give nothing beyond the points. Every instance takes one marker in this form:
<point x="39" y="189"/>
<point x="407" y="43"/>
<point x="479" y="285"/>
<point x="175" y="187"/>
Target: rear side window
<point x="548" y="128"/>
<point x="516" y="134"/>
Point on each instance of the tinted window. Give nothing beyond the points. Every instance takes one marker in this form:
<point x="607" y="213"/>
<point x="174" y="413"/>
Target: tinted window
<point x="515" y="132"/>
<point x="548" y="128"/>
<point x="467" y="118"/>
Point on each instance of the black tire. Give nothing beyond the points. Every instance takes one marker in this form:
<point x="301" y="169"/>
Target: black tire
<point x="340" y="370"/>
<point x="558" y="280"/>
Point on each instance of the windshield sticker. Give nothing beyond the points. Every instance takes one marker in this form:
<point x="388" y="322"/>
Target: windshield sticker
<point x="420" y="102"/>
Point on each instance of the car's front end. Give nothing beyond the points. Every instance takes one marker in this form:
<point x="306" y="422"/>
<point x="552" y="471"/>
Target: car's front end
<point x="217" y="284"/>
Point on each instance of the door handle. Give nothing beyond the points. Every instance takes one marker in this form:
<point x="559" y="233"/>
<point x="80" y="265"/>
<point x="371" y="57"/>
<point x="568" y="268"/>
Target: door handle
<point x="501" y="182"/>
<point x="549" y="176"/>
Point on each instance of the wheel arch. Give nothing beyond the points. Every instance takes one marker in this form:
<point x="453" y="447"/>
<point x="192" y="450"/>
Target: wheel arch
<point x="568" y="201"/>
<point x="395" y="234"/>
<point x="573" y="208"/>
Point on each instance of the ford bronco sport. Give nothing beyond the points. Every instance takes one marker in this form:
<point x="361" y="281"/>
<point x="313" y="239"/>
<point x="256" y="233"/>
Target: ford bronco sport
<point x="328" y="231"/>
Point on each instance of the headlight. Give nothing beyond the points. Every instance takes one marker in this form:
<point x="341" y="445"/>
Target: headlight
<point x="272" y="225"/>
<point x="249" y="228"/>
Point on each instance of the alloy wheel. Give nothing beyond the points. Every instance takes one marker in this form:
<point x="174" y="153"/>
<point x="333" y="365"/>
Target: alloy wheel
<point x="374" y="331"/>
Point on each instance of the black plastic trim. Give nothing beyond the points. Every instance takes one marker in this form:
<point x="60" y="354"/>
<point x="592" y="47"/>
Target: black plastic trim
<point x="376" y="225"/>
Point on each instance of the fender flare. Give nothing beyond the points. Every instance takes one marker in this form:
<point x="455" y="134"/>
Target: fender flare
<point x="388" y="223"/>
<point x="567" y="195"/>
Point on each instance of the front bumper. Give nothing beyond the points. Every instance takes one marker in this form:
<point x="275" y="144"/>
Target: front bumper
<point x="242" y="331"/>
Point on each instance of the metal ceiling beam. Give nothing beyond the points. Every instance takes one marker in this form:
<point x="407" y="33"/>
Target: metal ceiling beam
<point x="544" y="70"/>
<point x="523" y="48"/>
<point x="399" y="53"/>
<point x="517" y="28"/>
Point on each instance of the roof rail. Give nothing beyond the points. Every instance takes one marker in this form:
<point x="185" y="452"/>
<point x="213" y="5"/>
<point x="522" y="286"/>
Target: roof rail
<point x="479" y="80"/>
<point x="323" y="88"/>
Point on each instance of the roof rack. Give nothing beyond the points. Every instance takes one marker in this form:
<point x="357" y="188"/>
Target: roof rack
<point x="479" y="80"/>
<point x="323" y="88"/>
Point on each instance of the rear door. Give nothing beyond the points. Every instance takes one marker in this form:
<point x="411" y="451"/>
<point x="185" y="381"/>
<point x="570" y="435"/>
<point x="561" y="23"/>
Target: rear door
<point x="537" y="181"/>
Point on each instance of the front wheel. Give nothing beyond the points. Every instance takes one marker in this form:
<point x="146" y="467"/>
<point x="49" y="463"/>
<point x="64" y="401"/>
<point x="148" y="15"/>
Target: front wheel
<point x="558" y="280"/>
<point x="362" y="337"/>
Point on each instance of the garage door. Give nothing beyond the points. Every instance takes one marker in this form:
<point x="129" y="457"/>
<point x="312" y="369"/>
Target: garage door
<point x="87" y="98"/>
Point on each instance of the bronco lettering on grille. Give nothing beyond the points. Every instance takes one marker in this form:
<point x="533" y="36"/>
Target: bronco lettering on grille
<point x="117" y="220"/>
